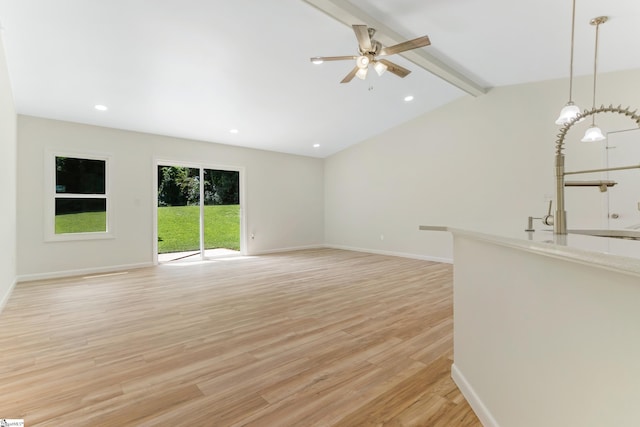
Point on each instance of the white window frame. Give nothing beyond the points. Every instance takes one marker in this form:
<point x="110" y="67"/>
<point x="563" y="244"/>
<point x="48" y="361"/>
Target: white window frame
<point x="51" y="195"/>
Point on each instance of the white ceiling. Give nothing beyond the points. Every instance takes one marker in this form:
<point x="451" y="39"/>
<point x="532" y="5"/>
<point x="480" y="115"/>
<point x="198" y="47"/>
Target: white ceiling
<point x="198" y="68"/>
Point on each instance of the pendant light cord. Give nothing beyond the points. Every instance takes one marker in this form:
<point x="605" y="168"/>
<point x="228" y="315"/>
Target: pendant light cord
<point x="573" y="25"/>
<point x="595" y="71"/>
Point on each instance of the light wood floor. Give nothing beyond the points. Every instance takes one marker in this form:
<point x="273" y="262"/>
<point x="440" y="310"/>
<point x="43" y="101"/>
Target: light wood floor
<point x="309" y="338"/>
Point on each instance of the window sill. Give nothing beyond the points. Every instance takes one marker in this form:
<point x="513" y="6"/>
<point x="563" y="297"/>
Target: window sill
<point x="74" y="237"/>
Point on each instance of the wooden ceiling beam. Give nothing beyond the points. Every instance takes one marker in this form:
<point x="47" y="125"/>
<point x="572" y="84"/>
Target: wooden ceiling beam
<point x="348" y="14"/>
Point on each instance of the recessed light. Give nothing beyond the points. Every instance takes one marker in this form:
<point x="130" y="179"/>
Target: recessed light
<point x="234" y="131"/>
<point x="408" y="98"/>
<point x="100" y="107"/>
<point x="316" y="145"/>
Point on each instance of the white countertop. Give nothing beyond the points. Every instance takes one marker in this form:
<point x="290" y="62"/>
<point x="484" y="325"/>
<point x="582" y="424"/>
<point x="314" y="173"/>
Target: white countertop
<point x="618" y="255"/>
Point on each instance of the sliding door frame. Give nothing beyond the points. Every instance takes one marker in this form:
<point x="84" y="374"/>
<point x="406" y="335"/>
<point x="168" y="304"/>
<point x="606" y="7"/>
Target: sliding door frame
<point x="157" y="162"/>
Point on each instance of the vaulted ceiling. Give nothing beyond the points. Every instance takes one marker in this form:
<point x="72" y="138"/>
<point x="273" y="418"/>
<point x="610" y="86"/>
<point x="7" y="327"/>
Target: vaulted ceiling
<point x="199" y="68"/>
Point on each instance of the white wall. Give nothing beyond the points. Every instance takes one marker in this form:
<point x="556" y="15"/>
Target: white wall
<point x="485" y="161"/>
<point x="477" y="162"/>
<point x="8" y="179"/>
<point x="547" y="341"/>
<point x="284" y="197"/>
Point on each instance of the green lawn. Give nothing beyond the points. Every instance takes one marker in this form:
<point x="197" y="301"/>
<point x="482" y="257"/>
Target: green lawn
<point x="87" y="222"/>
<point x="178" y="228"/>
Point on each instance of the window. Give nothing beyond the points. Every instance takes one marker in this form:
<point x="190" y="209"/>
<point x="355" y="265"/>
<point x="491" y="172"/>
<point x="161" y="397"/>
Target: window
<point x="80" y="198"/>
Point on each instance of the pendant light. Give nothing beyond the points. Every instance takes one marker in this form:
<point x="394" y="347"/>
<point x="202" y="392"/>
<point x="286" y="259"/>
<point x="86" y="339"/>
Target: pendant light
<point x="594" y="133"/>
<point x="571" y="110"/>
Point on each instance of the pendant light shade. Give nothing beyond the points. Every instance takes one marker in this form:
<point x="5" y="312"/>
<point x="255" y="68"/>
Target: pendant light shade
<point x="568" y="113"/>
<point x="593" y="134"/>
<point x="570" y="110"/>
<point x="362" y="73"/>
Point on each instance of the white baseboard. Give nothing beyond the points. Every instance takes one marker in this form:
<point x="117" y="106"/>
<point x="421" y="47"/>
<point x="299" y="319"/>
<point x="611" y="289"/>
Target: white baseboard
<point x="472" y="397"/>
<point x="5" y="297"/>
<point x="291" y="249"/>
<point x="82" y="272"/>
<point x="391" y="253"/>
<point x="87" y="271"/>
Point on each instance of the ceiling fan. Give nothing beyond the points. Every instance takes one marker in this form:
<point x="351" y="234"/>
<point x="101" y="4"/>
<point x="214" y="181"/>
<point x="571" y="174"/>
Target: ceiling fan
<point x="369" y="50"/>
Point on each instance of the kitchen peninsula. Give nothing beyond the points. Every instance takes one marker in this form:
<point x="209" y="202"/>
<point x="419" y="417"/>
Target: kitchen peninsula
<point x="547" y="327"/>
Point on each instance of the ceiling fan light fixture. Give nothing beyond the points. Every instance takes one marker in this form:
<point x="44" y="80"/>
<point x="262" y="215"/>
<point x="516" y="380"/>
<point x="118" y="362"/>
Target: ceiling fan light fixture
<point x="379" y="67"/>
<point x="362" y="61"/>
<point x="369" y="49"/>
<point x="593" y="134"/>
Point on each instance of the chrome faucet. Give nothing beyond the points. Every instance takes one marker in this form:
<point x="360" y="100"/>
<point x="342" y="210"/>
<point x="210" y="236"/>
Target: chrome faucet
<point x="560" y="218"/>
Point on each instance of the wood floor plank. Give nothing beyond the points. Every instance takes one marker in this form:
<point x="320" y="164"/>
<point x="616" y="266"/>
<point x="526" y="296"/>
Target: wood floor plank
<point x="316" y="337"/>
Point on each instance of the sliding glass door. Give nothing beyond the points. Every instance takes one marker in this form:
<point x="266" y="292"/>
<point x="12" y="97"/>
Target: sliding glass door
<point x="221" y="212"/>
<point x="198" y="212"/>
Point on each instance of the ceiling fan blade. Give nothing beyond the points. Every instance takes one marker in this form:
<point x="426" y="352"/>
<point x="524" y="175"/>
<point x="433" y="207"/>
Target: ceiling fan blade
<point x="331" y="58"/>
<point x="362" y="34"/>
<point x="350" y="76"/>
<point x="395" y="68"/>
<point x="408" y="45"/>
